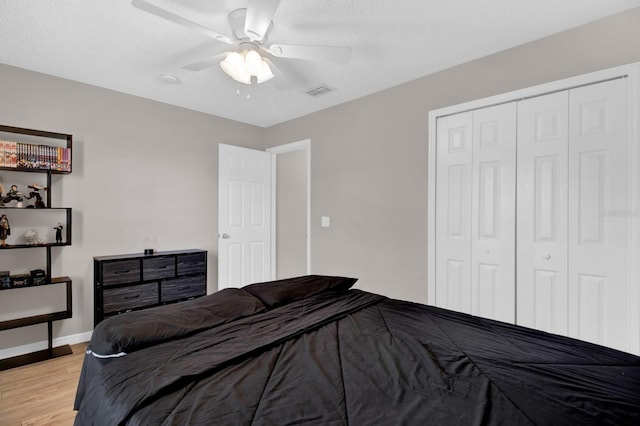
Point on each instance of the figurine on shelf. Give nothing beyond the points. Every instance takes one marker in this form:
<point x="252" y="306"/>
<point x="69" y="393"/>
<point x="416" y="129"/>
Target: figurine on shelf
<point x="13" y="195"/>
<point x="58" y="229"/>
<point x="35" y="193"/>
<point x="5" y="229"/>
<point x="31" y="237"/>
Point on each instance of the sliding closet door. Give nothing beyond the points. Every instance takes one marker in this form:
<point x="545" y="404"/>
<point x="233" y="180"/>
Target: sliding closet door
<point x="536" y="208"/>
<point x="598" y="213"/>
<point x="475" y="212"/>
<point x="493" y="213"/>
<point x="453" y="212"/>
<point x="542" y="212"/>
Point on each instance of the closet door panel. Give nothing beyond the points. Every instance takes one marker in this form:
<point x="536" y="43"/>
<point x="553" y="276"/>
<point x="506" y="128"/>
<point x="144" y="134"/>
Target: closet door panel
<point x="493" y="213"/>
<point x="598" y="213"/>
<point x="542" y="212"/>
<point x="453" y="212"/>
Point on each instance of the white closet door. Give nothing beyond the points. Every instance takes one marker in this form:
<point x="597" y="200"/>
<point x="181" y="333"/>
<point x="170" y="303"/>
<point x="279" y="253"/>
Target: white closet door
<point x="542" y="212"/>
<point x="493" y="213"/>
<point x="453" y="212"/>
<point x="598" y="210"/>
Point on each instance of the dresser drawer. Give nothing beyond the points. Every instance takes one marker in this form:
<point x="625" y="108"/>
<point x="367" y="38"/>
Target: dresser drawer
<point x="192" y="263"/>
<point x="132" y="297"/>
<point x="154" y="268"/>
<point x="182" y="288"/>
<point x="120" y="272"/>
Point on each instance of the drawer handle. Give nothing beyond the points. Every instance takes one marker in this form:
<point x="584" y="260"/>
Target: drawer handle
<point x="132" y="297"/>
<point x="184" y="287"/>
<point x="122" y="272"/>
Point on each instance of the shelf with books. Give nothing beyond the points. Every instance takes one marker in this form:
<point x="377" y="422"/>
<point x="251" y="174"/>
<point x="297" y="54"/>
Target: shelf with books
<point x="21" y="149"/>
<point x="28" y="221"/>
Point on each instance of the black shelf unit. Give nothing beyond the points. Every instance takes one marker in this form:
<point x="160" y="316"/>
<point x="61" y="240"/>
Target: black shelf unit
<point x="48" y="318"/>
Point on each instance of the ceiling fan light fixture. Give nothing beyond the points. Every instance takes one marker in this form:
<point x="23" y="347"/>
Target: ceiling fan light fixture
<point x="244" y="77"/>
<point x="253" y="62"/>
<point x="233" y="66"/>
<point x="265" y="73"/>
<point x="244" y="66"/>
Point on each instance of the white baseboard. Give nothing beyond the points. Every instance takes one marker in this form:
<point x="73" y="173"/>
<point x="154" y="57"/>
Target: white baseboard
<point x="38" y="346"/>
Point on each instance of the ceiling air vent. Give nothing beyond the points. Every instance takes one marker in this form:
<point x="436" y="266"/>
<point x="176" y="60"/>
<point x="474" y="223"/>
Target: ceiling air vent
<point x="320" y="90"/>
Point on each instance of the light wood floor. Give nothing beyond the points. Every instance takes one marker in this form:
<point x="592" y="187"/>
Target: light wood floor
<point x="42" y="393"/>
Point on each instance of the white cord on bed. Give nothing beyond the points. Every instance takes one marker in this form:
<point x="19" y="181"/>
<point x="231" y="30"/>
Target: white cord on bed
<point x="118" y="355"/>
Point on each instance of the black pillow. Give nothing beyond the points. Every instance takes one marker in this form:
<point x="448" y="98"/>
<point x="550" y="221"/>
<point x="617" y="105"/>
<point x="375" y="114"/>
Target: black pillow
<point x="116" y="336"/>
<point x="281" y="292"/>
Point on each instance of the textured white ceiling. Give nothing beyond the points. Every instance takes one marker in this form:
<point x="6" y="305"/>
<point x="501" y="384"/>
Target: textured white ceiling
<point x="111" y="44"/>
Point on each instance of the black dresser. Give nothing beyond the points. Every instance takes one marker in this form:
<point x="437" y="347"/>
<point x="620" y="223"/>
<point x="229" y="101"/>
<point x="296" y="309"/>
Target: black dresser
<point x="128" y="282"/>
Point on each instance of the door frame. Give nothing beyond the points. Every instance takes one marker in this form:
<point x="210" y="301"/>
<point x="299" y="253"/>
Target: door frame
<point x="630" y="71"/>
<point x="305" y="145"/>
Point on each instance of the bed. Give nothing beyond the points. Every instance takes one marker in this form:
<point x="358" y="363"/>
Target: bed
<point x="313" y="350"/>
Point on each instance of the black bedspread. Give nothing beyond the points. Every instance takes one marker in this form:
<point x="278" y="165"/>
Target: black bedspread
<point x="351" y="357"/>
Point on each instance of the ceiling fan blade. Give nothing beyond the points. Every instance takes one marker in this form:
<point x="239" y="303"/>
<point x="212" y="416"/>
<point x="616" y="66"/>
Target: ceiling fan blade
<point x="204" y="63"/>
<point x="170" y="16"/>
<point x="259" y="15"/>
<point x="338" y="55"/>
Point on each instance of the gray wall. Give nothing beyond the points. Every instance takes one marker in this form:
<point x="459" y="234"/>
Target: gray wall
<point x="144" y="174"/>
<point x="369" y="156"/>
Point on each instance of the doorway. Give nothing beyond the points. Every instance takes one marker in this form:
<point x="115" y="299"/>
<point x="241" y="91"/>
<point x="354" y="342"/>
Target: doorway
<point x="264" y="201"/>
<point x="291" y="204"/>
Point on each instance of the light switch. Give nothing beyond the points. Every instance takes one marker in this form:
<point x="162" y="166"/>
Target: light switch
<point x="325" y="222"/>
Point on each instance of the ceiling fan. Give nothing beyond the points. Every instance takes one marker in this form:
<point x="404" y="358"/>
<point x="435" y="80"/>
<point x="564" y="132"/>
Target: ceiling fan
<point x="252" y="60"/>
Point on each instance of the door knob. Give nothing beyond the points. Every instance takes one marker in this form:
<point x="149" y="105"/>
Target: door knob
<point x="547" y="257"/>
<point x="225" y="236"/>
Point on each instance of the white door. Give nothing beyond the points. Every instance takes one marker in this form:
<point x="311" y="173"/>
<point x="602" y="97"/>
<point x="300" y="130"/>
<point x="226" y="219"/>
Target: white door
<point x="542" y="165"/>
<point x="244" y="216"/>
<point x="598" y="213"/>
<point x="493" y="213"/>
<point x="453" y="212"/>
<point x="475" y="212"/>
